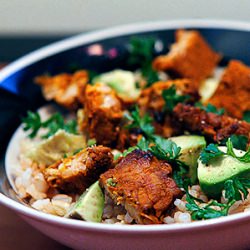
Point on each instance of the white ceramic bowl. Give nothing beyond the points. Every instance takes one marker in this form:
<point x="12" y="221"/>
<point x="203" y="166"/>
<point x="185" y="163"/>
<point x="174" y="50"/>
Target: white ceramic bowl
<point x="224" y="233"/>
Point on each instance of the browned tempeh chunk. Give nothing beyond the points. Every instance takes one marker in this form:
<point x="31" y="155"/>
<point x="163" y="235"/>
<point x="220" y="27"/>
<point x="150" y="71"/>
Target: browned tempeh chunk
<point x="142" y="184"/>
<point x="213" y="126"/>
<point x="151" y="101"/>
<point x="102" y="114"/>
<point x="65" y="89"/>
<point x="151" y="98"/>
<point x="233" y="92"/>
<point x="78" y="172"/>
<point x="189" y="57"/>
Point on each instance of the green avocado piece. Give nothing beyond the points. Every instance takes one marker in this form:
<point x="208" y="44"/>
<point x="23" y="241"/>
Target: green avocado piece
<point x="54" y="148"/>
<point x="213" y="176"/>
<point x="191" y="146"/>
<point x="89" y="206"/>
<point x="122" y="81"/>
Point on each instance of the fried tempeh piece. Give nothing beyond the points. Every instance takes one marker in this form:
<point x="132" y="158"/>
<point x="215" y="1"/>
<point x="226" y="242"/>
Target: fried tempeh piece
<point x="151" y="99"/>
<point x="65" y="89"/>
<point x="189" y="57"/>
<point x="78" y="172"/>
<point x="233" y="92"/>
<point x="142" y="184"/>
<point x="213" y="126"/>
<point x="102" y="114"/>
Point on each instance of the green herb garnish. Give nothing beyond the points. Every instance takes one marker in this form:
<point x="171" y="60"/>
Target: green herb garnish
<point x="180" y="172"/>
<point x="171" y="98"/>
<point x="165" y="149"/>
<point x="208" y="211"/>
<point x="125" y="152"/>
<point x="91" y="142"/>
<point x="34" y="123"/>
<point x="161" y="148"/>
<point x="245" y="158"/>
<point x="212" y="151"/>
<point x="143" y="144"/>
<point x="77" y="151"/>
<point x="246" y="116"/>
<point x="236" y="188"/>
<point x="210" y="108"/>
<point x="239" y="141"/>
<point x="140" y="122"/>
<point x="213" y="209"/>
<point x="111" y="182"/>
<point x="141" y="55"/>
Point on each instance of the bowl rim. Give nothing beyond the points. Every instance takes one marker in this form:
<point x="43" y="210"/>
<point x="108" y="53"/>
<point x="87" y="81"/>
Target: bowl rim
<point x="90" y="37"/>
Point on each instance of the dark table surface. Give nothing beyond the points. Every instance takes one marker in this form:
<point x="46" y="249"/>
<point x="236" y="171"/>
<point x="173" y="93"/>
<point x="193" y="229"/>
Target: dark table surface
<point x="17" y="234"/>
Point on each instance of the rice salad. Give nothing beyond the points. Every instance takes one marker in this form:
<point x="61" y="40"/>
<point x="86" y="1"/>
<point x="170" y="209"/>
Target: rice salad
<point x="165" y="143"/>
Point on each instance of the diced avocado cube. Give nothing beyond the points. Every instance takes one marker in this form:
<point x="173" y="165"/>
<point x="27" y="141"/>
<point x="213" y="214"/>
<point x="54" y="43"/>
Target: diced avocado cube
<point x="213" y="175"/>
<point x="191" y="146"/>
<point x="89" y="206"/>
<point x="122" y="81"/>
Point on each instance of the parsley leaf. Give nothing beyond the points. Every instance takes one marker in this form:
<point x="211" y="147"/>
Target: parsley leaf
<point x="246" y="116"/>
<point x="140" y="122"/>
<point x="210" y="152"/>
<point x="171" y="98"/>
<point x="210" y="108"/>
<point x="213" y="209"/>
<point x="236" y="189"/>
<point x="34" y="123"/>
<point x="125" y="152"/>
<point x="165" y="149"/>
<point x="180" y="172"/>
<point x="143" y="144"/>
<point x="91" y="142"/>
<point x="110" y="182"/>
<point x="141" y="55"/>
<point x="161" y="148"/>
<point x="239" y="141"/>
<point x="207" y="212"/>
<point x="244" y="158"/>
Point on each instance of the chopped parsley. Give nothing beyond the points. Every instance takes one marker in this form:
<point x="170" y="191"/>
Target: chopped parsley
<point x="244" y="158"/>
<point x="171" y="98"/>
<point x="77" y="151"/>
<point x="212" y="151"/>
<point x="165" y="149"/>
<point x="125" y="152"/>
<point x="91" y="142"/>
<point x="210" y="108"/>
<point x="141" y="53"/>
<point x="213" y="209"/>
<point x="246" y="116"/>
<point x="239" y="141"/>
<point x="111" y="182"/>
<point x="180" y="173"/>
<point x="236" y="189"/>
<point x="34" y="123"/>
<point x="143" y="123"/>
<point x="160" y="147"/>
